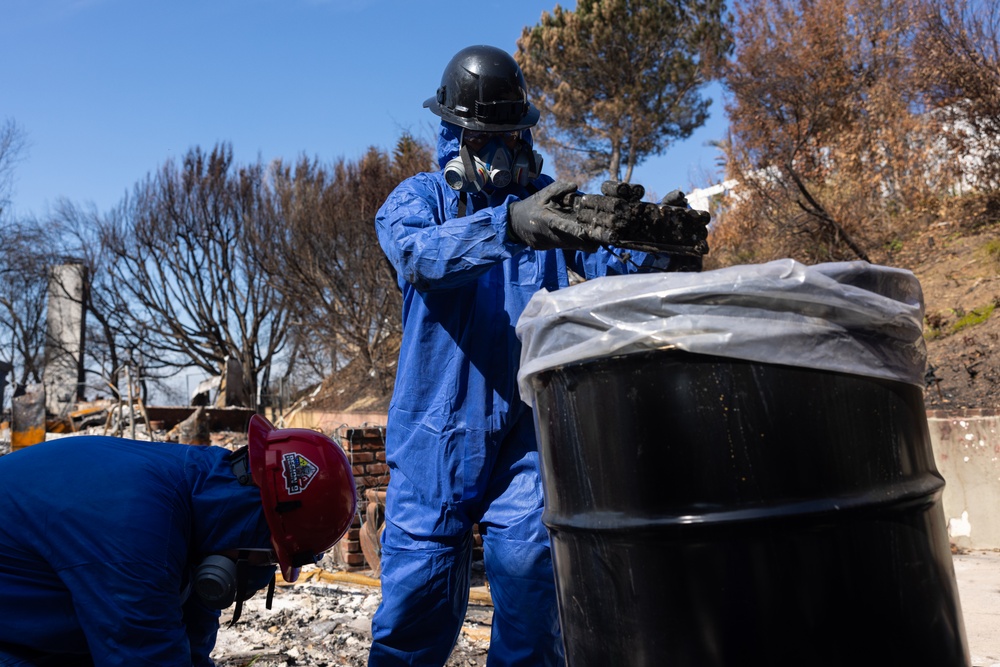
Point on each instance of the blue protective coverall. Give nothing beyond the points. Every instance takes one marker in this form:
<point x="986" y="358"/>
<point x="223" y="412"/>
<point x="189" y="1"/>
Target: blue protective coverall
<point x="460" y="443"/>
<point x="98" y="539"/>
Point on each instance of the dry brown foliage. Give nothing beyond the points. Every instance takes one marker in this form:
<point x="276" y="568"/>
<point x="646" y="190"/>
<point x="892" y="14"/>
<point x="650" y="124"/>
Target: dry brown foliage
<point x="830" y="140"/>
<point x="958" y="65"/>
<point x="971" y="212"/>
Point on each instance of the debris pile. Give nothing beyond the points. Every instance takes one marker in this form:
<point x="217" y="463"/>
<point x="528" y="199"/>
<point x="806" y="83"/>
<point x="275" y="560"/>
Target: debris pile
<point x="323" y="620"/>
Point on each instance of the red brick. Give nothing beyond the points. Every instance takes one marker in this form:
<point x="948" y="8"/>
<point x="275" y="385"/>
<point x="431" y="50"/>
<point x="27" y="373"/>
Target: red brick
<point x="354" y="559"/>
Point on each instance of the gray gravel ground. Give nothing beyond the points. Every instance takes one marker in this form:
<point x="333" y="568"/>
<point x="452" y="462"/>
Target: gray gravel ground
<point x="321" y="621"/>
<point x="978" y="575"/>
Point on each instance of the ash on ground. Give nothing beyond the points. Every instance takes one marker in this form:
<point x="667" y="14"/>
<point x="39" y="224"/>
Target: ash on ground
<point x="324" y="619"/>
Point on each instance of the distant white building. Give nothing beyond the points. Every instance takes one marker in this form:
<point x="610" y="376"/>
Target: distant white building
<point x="701" y="198"/>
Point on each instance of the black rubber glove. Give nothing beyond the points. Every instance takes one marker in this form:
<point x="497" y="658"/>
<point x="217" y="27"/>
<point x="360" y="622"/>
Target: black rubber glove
<point x="545" y="220"/>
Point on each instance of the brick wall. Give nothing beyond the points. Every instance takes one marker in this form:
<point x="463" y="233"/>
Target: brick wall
<point x="365" y="447"/>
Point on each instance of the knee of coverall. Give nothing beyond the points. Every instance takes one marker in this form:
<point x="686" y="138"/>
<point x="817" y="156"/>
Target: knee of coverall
<point x="514" y="498"/>
<point x="425" y="593"/>
<point x="525" y="611"/>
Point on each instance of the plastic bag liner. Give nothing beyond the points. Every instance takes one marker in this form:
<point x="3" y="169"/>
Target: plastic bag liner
<point x="852" y="317"/>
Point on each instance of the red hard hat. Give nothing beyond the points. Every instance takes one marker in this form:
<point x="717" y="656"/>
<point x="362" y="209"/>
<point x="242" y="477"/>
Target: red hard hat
<point x="307" y="488"/>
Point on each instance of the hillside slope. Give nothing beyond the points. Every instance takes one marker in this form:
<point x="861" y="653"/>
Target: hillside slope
<point x="960" y="277"/>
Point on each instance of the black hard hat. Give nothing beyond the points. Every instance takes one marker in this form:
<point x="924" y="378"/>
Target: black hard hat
<point x="482" y="89"/>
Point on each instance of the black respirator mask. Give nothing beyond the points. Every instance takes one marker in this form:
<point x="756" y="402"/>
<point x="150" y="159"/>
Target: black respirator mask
<point x="494" y="166"/>
<point x="219" y="581"/>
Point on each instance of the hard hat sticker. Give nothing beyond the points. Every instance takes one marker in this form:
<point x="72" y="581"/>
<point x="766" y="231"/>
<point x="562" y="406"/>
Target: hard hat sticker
<point x="297" y="471"/>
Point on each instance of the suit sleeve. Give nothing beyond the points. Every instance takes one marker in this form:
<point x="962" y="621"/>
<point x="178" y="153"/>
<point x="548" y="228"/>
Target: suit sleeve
<point x="431" y="251"/>
<point x="202" y="625"/>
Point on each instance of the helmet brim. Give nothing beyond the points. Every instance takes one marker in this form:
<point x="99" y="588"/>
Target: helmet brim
<point x="298" y="535"/>
<point x="529" y="119"/>
<point x="257" y="433"/>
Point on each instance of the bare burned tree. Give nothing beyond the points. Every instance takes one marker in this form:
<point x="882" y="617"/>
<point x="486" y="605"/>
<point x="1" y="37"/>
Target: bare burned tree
<point x="183" y="258"/>
<point x="25" y="257"/>
<point x="109" y="343"/>
<point x="13" y="143"/>
<point x="324" y="257"/>
<point x="26" y="251"/>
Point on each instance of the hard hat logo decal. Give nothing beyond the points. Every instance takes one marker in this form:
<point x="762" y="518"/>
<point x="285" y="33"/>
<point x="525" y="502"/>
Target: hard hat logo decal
<point x="297" y="471"/>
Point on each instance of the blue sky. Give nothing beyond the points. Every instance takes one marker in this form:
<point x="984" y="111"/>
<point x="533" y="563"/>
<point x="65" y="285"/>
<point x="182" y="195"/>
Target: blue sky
<point x="108" y="90"/>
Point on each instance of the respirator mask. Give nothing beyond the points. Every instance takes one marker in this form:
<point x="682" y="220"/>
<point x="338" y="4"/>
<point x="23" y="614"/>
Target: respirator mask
<point x="219" y="581"/>
<point x="492" y="160"/>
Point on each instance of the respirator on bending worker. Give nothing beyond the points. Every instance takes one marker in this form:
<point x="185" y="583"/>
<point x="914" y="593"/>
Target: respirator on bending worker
<point x="495" y="165"/>
<point x="219" y="581"/>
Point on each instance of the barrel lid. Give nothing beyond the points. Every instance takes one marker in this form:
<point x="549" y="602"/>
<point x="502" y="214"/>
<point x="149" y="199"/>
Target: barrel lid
<point x="851" y="317"/>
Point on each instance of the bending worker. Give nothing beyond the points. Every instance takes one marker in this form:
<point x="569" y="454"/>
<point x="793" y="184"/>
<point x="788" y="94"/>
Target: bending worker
<point x="120" y="552"/>
<point x="471" y="244"/>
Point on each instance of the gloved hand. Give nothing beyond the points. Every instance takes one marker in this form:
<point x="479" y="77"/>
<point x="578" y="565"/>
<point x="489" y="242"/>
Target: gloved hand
<point x="544" y="220"/>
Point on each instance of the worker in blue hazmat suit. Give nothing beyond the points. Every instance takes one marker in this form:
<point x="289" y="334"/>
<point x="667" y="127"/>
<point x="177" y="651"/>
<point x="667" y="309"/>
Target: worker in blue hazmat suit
<point x="121" y="552"/>
<point x="471" y="244"/>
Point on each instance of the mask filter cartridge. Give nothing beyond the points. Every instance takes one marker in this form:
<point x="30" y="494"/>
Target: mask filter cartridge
<point x="492" y="166"/>
<point x="215" y="581"/>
